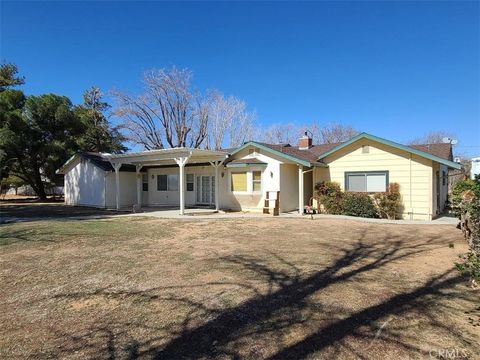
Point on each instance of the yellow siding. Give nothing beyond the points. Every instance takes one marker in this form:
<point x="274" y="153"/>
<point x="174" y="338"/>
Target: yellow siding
<point x="414" y="176"/>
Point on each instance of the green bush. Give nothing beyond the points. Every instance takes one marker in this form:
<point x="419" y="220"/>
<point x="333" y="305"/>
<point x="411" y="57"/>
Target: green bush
<point x="459" y="189"/>
<point x="389" y="202"/>
<point x="359" y="204"/>
<point x="470" y="265"/>
<point x="466" y="205"/>
<point x="331" y="197"/>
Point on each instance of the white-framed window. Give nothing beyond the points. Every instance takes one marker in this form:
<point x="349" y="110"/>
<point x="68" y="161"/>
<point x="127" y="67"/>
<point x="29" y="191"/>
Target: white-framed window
<point x="167" y="182"/>
<point x="144" y="182"/>
<point x="190" y="182"/>
<point x="239" y="181"/>
<point x="256" y="181"/>
<point x="368" y="181"/>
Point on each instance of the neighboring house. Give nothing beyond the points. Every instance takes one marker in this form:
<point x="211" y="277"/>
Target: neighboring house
<point x="240" y="179"/>
<point x="475" y="167"/>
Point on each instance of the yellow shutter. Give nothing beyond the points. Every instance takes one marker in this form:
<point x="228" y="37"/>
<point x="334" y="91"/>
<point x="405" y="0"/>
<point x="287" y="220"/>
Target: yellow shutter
<point x="239" y="181"/>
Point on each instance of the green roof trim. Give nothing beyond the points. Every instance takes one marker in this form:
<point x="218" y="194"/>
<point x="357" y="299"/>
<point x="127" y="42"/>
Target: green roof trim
<point x="380" y="140"/>
<point x="229" y="165"/>
<point x="272" y="151"/>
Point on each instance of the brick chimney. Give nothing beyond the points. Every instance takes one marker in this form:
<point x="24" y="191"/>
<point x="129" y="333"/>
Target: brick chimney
<point x="305" y="142"/>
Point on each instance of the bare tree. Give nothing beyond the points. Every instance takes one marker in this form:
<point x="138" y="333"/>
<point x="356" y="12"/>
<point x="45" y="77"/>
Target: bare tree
<point x="281" y="134"/>
<point x="241" y="126"/>
<point x="168" y="112"/>
<point x="332" y="133"/>
<point x="432" y="137"/>
<point x="229" y="121"/>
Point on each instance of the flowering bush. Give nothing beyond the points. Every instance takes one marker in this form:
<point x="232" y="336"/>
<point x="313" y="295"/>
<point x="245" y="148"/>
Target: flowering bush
<point x="388" y="202"/>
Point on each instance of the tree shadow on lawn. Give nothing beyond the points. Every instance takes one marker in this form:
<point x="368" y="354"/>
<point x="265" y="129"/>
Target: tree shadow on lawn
<point x="256" y="327"/>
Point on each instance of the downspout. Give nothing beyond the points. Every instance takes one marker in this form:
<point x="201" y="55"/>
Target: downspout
<point x="410" y="185"/>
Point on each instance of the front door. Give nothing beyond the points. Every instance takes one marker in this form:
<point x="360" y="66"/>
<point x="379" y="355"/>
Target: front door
<point x="205" y="190"/>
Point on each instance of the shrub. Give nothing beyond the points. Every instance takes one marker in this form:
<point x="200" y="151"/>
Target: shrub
<point x="331" y="197"/>
<point x="388" y="202"/>
<point x="359" y="204"/>
<point x="470" y="265"/>
<point x="459" y="189"/>
<point x="466" y="204"/>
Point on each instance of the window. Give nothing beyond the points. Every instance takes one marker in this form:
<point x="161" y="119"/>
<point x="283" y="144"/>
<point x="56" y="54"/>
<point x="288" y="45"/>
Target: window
<point x="365" y="149"/>
<point x="444" y="178"/>
<point x="239" y="181"/>
<point x="167" y="182"/>
<point x="162" y="182"/>
<point x="172" y="182"/>
<point x="257" y="181"/>
<point x="373" y="181"/>
<point x="144" y="182"/>
<point x="190" y="180"/>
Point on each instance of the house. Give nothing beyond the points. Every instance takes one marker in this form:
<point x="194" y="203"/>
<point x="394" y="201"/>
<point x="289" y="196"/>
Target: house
<point x="475" y="167"/>
<point x="243" y="178"/>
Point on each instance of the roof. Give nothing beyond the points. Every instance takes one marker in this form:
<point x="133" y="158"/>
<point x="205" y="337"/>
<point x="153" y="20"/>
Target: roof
<point x="301" y="157"/>
<point x="98" y="159"/>
<point x="169" y="153"/>
<point x="147" y="158"/>
<point x="441" y="153"/>
<point x="244" y="162"/>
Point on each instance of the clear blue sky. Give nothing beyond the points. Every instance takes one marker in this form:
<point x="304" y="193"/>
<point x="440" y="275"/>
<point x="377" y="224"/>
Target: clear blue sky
<point x="394" y="69"/>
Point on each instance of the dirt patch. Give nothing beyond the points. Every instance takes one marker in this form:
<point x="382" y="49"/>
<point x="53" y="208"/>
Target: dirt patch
<point x="240" y="288"/>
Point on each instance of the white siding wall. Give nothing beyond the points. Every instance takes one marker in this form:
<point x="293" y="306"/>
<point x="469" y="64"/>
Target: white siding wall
<point x="414" y="176"/>
<point x="289" y="187"/>
<point x="84" y="184"/>
<point x="172" y="198"/>
<point x="128" y="189"/>
<point x="249" y="201"/>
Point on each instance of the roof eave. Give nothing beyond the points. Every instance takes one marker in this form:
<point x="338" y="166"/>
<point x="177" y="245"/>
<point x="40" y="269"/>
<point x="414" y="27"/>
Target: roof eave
<point x="272" y="151"/>
<point x="61" y="170"/>
<point x="421" y="153"/>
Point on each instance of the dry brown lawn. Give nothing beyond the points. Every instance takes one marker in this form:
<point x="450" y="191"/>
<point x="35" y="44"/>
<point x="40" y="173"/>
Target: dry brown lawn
<point x="231" y="289"/>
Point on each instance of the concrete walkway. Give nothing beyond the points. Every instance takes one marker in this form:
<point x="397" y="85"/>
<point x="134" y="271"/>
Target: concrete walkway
<point x="172" y="213"/>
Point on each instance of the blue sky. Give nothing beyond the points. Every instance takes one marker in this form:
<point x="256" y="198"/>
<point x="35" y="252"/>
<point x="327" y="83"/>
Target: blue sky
<point x="394" y="69"/>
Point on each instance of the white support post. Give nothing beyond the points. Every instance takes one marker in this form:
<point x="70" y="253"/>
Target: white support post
<point x="216" y="165"/>
<point x="138" y="168"/>
<point x="116" y="167"/>
<point x="181" y="164"/>
<point x="300" y="189"/>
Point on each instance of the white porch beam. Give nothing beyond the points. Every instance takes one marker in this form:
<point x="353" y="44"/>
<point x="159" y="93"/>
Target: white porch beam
<point x="181" y="164"/>
<point x="300" y="189"/>
<point x="116" y="167"/>
<point x="138" y="168"/>
<point x="216" y="165"/>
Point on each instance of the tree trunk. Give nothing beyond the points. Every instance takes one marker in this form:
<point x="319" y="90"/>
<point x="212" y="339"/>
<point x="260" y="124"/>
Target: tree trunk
<point x="38" y="186"/>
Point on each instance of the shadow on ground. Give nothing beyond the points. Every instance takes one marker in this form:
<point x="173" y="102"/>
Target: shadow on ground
<point x="11" y="212"/>
<point x="288" y="316"/>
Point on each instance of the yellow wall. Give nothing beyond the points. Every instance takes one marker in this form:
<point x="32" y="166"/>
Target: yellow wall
<point x="413" y="175"/>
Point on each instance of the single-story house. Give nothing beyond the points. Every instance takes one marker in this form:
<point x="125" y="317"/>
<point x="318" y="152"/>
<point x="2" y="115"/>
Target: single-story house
<point x="258" y="176"/>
